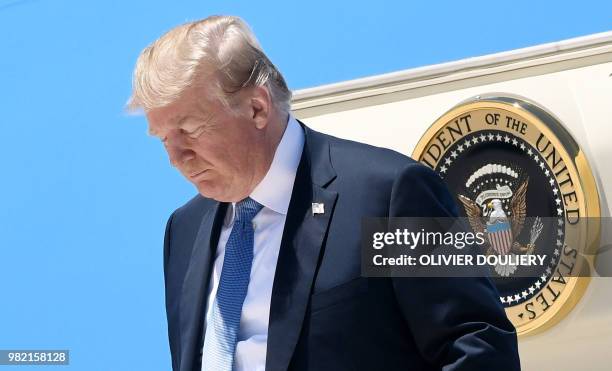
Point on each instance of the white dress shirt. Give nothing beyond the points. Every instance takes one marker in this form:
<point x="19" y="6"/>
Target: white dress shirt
<point x="274" y="193"/>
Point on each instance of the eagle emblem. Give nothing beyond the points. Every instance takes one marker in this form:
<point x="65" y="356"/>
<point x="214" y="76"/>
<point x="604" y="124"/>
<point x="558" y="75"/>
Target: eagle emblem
<point x="502" y="231"/>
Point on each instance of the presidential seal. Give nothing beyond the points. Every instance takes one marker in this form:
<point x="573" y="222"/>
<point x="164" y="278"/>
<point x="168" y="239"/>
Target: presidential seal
<point x="522" y="180"/>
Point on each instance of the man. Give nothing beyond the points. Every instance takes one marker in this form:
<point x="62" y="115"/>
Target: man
<point x="262" y="267"/>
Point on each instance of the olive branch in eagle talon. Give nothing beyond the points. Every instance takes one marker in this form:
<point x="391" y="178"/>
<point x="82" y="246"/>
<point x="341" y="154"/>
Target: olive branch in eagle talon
<point x="518" y="206"/>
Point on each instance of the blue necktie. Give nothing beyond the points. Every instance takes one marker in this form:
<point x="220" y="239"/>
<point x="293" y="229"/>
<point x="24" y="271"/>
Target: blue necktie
<point x="222" y="331"/>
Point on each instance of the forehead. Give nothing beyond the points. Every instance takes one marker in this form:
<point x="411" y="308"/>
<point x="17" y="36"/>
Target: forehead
<point x="179" y="113"/>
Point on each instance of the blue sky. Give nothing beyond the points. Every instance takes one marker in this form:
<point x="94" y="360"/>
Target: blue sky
<point x="85" y="193"/>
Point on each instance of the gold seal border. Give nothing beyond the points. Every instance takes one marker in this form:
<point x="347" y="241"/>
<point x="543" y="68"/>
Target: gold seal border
<point x="562" y="140"/>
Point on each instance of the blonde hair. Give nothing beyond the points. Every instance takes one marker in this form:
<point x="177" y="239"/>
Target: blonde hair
<point x="221" y="50"/>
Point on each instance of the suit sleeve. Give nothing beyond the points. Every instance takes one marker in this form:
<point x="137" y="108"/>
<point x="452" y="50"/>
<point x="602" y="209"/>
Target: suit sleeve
<point x="173" y="337"/>
<point x="457" y="323"/>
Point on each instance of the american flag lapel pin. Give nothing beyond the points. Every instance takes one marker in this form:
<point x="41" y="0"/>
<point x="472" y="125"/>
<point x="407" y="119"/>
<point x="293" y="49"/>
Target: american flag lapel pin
<point x="318" y="208"/>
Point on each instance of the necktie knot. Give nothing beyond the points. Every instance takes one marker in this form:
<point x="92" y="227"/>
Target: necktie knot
<point x="247" y="209"/>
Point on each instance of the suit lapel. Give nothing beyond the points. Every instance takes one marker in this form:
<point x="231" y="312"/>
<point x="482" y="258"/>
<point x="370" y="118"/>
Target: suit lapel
<point x="303" y="236"/>
<point x="195" y="288"/>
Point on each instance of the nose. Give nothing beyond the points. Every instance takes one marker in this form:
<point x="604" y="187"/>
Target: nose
<point x="178" y="150"/>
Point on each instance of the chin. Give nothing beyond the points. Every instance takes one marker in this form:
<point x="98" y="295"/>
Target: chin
<point x="207" y="192"/>
<point x="211" y="191"/>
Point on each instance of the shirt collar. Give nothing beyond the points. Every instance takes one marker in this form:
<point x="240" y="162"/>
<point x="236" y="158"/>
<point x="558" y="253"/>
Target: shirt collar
<point x="274" y="190"/>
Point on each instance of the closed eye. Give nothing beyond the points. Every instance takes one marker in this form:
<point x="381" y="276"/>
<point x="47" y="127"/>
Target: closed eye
<point x="194" y="134"/>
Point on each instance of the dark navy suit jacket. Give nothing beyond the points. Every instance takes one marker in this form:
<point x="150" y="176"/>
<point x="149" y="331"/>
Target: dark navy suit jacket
<point x="324" y="315"/>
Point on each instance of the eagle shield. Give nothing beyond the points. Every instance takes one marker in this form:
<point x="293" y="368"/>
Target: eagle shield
<point x="500" y="236"/>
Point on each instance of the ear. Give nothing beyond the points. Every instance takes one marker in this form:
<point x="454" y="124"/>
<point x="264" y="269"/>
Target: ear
<point x="260" y="106"/>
